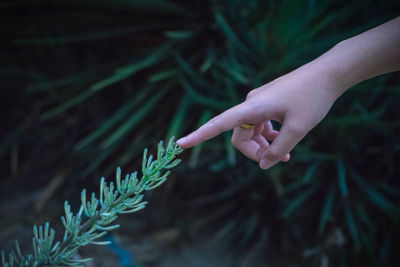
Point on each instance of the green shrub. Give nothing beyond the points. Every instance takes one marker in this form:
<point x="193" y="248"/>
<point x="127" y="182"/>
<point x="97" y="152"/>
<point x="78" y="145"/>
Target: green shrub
<point x="110" y="77"/>
<point x="95" y="216"/>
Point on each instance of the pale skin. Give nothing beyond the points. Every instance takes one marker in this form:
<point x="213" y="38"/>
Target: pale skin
<point x="300" y="99"/>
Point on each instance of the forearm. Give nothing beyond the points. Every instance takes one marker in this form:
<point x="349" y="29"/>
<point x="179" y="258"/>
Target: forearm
<point x="369" y="54"/>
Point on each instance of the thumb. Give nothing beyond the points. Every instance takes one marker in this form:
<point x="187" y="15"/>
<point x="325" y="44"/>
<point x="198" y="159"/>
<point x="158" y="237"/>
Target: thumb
<point x="289" y="135"/>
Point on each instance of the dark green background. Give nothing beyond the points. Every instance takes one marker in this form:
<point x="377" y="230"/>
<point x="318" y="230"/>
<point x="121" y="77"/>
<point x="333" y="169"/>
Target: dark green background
<point x="87" y="85"/>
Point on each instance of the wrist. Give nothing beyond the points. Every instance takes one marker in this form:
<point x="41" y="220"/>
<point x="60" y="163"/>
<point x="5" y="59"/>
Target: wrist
<point x="342" y="66"/>
<point x="327" y="74"/>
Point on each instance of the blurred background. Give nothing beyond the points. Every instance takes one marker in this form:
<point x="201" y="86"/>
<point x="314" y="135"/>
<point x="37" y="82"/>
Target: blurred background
<point x="87" y="85"/>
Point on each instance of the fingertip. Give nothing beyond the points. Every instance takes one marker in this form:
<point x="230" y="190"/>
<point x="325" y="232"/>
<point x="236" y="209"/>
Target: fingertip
<point x="190" y="140"/>
<point x="181" y="140"/>
<point x="271" y="135"/>
<point x="265" y="164"/>
<point x="184" y="142"/>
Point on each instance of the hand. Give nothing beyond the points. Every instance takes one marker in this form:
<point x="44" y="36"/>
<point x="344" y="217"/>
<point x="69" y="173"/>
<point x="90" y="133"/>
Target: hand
<point x="298" y="100"/>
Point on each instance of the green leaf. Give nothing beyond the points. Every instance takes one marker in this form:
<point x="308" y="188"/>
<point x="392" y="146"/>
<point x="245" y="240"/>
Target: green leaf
<point x="326" y="214"/>
<point x="134" y="119"/>
<point x="298" y="201"/>
<point x="352" y="226"/>
<point x="357" y="119"/>
<point x="205" y="116"/>
<point x="341" y="174"/>
<point x="209" y="60"/>
<point x="163" y="75"/>
<point x="309" y="175"/>
<point x="194" y="76"/>
<point x="387" y="188"/>
<point x="179" y="34"/>
<point x="235" y="74"/>
<point x="230" y="34"/>
<point x="363" y="215"/>
<point x="317" y="28"/>
<point x="120" y="74"/>
<point x="175" y="128"/>
<point x="118" y="116"/>
<point x="231" y="91"/>
<point x="200" y="99"/>
<point x="377" y="198"/>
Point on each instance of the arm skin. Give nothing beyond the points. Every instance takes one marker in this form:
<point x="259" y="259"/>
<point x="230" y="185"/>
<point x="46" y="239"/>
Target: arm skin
<point x="300" y="99"/>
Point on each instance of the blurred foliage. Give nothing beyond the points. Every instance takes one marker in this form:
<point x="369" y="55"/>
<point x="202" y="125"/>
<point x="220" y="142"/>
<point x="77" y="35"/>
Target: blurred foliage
<point x="88" y="84"/>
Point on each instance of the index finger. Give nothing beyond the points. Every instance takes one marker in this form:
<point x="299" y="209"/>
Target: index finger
<point x="226" y="121"/>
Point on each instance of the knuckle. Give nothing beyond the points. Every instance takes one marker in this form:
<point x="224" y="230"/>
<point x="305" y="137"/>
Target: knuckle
<point x="215" y="123"/>
<point x="275" y="153"/>
<point x="234" y="141"/>
<point x="250" y="94"/>
<point x="240" y="121"/>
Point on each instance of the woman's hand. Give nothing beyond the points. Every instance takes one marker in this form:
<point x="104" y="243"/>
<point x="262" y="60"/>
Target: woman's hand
<point x="298" y="100"/>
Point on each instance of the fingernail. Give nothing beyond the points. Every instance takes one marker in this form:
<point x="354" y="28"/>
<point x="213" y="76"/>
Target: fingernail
<point x="265" y="164"/>
<point x="182" y="140"/>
